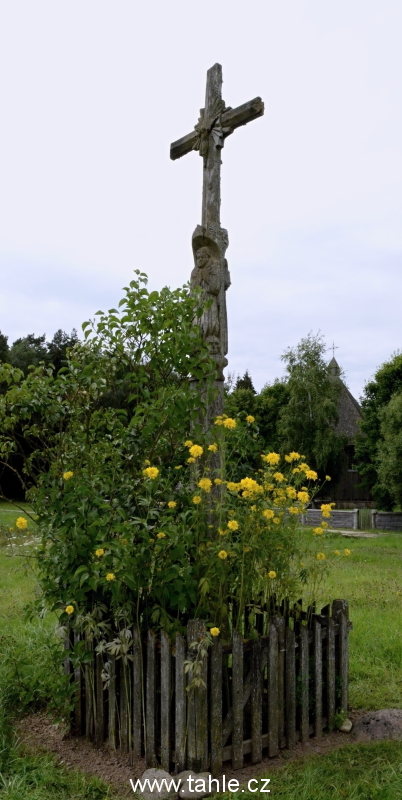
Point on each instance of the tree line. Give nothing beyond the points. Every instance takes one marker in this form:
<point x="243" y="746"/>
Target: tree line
<point x="297" y="412"/>
<point x="29" y="351"/>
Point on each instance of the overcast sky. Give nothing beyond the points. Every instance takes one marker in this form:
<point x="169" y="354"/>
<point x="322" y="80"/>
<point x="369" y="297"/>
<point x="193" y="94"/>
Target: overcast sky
<point x="93" y="92"/>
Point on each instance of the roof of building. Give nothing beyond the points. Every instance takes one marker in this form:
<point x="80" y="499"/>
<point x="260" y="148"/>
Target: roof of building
<point x="348" y="408"/>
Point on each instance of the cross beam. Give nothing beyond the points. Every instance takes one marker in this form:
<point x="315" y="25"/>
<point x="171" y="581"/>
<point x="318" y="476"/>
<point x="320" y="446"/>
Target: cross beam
<point x="216" y="122"/>
<point x="232" y="118"/>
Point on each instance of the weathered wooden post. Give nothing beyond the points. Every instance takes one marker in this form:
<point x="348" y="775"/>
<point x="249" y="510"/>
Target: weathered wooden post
<point x="210" y="240"/>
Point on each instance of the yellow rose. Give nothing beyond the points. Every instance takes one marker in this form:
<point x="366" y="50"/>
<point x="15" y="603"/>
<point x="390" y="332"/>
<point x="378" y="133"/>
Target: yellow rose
<point x="150" y="472"/>
<point x="311" y="474"/>
<point x="303" y="497"/>
<point x="271" y="458"/>
<point x="205" y="484"/>
<point x="196" y="450"/>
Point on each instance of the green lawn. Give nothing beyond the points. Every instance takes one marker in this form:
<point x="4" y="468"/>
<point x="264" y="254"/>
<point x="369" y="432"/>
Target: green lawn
<point x="371" y="579"/>
<point x="354" y="772"/>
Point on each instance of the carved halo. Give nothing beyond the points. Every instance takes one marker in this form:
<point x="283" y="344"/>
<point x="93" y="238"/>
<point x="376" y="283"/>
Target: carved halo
<point x="203" y="238"/>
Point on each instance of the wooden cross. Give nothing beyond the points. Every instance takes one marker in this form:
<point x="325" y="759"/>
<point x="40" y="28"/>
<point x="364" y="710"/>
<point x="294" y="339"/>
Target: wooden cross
<point x="216" y="122"/>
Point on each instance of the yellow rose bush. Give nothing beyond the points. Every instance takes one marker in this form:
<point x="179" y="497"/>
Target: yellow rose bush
<point x="144" y="517"/>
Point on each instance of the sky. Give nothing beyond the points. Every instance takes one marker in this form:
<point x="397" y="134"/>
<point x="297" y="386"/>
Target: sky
<point x="92" y="93"/>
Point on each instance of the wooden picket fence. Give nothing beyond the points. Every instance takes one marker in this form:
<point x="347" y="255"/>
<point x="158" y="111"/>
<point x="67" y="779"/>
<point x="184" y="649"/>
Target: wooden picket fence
<point x="254" y="696"/>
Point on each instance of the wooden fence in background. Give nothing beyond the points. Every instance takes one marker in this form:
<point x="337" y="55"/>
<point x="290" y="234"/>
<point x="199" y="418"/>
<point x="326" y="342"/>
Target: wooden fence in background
<point x="254" y="696"/>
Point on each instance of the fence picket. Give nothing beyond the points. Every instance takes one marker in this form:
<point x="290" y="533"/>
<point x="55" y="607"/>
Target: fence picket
<point x="340" y="612"/>
<point x="112" y="707"/>
<point x="256" y="703"/>
<point x="165" y="701"/>
<point x="99" y="706"/>
<point x="216" y="707"/>
<point x="290" y="688"/>
<point x="197" y="739"/>
<point x="79" y="695"/>
<point x="279" y="623"/>
<point x="317" y="679"/>
<point x="331" y="672"/>
<point x="273" y="691"/>
<point x="304" y="673"/>
<point x="137" y="694"/>
<point x="150" y="755"/>
<point x="124" y="707"/>
<point x="237" y="699"/>
<point x="180" y="710"/>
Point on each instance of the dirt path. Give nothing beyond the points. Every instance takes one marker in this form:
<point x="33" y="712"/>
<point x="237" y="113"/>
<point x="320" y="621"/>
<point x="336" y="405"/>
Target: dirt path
<point x="39" y="734"/>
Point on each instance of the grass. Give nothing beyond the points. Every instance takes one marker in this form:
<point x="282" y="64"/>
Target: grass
<point x="29" y="675"/>
<point x="371" y="579"/>
<point x="355" y="772"/>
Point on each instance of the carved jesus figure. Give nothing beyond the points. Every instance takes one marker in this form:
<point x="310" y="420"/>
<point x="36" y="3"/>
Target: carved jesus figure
<point x="213" y="279"/>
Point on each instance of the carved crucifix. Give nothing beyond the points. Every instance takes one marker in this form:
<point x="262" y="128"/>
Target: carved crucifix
<point x="210" y="241"/>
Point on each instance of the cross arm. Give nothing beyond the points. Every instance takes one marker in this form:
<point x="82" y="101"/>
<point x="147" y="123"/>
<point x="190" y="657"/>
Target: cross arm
<point x="232" y="118"/>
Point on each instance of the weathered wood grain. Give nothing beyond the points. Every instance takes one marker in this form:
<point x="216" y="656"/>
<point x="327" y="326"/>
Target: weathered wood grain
<point x="112" y="704"/>
<point x="279" y="623"/>
<point x="197" y="726"/>
<point x="290" y="680"/>
<point x="273" y="739"/>
<point x="137" y="694"/>
<point x="317" y="679"/>
<point x="150" y="755"/>
<point x="331" y="672"/>
<point x="304" y="674"/>
<point x="79" y="696"/>
<point x="125" y="715"/>
<point x="99" y="701"/>
<point x="256" y="703"/>
<point x="165" y="701"/>
<point x="340" y="612"/>
<point x="237" y="699"/>
<point x="216" y="707"/>
<point x="180" y="709"/>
